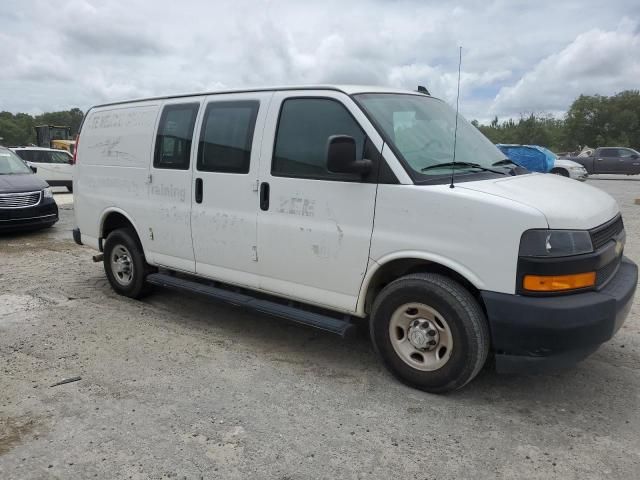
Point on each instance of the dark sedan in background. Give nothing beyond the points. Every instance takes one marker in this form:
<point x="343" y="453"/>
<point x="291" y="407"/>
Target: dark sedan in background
<point x="26" y="201"/>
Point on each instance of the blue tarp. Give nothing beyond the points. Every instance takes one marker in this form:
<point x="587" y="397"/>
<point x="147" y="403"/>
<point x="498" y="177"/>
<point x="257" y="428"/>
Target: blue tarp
<point x="531" y="157"/>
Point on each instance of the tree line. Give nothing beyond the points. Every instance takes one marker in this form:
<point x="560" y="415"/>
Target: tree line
<point x="19" y="128"/>
<point x="592" y="120"/>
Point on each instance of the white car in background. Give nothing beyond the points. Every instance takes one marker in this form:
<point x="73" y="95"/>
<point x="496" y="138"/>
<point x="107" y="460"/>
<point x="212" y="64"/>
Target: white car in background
<point x="54" y="166"/>
<point x="569" y="168"/>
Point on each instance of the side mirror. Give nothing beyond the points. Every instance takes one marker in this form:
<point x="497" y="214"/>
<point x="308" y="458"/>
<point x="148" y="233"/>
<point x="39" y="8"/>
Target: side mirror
<point x="341" y="156"/>
<point x="634" y="156"/>
<point x="33" y="169"/>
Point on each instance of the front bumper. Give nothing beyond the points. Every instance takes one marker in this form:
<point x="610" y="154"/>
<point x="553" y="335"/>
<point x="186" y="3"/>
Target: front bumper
<point x="41" y="215"/>
<point x="532" y="334"/>
<point x="580" y="175"/>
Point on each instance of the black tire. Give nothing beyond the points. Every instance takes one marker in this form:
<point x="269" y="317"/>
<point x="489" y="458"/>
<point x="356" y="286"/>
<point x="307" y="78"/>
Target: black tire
<point x="560" y="171"/>
<point x="126" y="238"/>
<point x="465" y="319"/>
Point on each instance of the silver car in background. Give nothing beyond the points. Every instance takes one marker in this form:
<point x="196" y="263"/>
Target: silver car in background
<point x="569" y="168"/>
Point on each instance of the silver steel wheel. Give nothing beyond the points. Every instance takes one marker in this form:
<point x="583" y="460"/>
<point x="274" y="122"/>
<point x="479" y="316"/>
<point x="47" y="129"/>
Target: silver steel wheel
<point x="122" y="265"/>
<point x="421" y="336"/>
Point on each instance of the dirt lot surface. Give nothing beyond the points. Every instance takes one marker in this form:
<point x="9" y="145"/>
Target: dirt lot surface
<point x="176" y="387"/>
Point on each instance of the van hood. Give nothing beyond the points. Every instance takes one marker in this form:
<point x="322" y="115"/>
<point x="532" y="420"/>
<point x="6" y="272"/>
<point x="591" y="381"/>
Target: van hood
<point x="565" y="203"/>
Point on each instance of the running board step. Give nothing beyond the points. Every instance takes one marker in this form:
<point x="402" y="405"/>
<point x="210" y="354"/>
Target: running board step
<point x="322" y="322"/>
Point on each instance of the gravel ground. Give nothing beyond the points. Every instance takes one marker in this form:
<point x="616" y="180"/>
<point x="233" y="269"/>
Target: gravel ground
<point x="176" y="387"/>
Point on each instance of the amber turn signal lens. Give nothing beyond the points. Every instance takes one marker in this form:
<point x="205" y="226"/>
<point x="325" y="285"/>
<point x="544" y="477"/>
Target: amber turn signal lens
<point x="558" y="283"/>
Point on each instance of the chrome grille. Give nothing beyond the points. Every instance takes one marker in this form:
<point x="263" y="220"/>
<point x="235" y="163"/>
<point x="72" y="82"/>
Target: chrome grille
<point x="19" y="200"/>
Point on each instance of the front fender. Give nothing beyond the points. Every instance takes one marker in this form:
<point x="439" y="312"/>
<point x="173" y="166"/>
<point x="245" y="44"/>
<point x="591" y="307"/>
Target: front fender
<point x="376" y="265"/>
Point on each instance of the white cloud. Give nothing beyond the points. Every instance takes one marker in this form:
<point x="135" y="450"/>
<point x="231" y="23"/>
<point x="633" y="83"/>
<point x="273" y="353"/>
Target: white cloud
<point x="517" y="56"/>
<point x="596" y="62"/>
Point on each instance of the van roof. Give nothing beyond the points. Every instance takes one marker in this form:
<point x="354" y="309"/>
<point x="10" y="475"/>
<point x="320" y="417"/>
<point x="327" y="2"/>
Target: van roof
<point x="347" y="89"/>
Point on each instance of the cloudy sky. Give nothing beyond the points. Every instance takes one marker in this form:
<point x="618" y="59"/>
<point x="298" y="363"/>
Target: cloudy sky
<point x="519" y="56"/>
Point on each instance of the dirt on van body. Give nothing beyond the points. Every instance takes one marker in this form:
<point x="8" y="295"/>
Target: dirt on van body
<point x="177" y="387"/>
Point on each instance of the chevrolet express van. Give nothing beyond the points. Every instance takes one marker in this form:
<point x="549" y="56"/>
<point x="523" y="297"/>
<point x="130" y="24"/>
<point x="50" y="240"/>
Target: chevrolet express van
<point x="327" y="204"/>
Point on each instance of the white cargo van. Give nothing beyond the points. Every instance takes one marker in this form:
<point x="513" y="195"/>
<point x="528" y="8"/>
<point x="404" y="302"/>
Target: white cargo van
<point x="324" y="204"/>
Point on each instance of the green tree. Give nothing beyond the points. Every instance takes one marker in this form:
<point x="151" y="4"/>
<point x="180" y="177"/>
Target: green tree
<point x="18" y="129"/>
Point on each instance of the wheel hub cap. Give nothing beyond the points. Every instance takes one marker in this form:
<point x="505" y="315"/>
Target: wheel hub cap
<point x="423" y="335"/>
<point x="122" y="265"/>
<point x="420" y="336"/>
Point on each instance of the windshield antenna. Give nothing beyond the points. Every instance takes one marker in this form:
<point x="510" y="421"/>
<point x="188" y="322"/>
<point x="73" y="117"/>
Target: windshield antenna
<point x="455" y="132"/>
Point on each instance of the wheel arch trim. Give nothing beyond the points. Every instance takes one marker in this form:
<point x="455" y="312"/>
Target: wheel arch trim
<point x="105" y="214"/>
<point x="375" y="266"/>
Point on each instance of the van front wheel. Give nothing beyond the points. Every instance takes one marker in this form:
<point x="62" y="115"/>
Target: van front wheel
<point x="124" y="263"/>
<point x="430" y="332"/>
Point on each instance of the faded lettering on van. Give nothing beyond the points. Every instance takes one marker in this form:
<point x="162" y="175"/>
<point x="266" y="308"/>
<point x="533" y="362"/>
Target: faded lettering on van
<point x="303" y="207"/>
<point x="168" y="191"/>
<point x="109" y="148"/>
<point x="113" y="184"/>
<point x="130" y="118"/>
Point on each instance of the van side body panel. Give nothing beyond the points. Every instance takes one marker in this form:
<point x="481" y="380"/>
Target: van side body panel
<point x="112" y="169"/>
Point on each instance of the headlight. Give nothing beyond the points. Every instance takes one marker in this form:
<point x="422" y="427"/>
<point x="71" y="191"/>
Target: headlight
<point x="555" y="243"/>
<point x="47" y="193"/>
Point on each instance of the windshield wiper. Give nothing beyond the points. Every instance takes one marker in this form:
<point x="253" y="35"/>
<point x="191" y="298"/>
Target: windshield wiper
<point x="462" y="164"/>
<point x="505" y="161"/>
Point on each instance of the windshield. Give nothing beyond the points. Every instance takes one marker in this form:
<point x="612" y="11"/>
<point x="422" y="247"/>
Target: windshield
<point x="421" y="129"/>
<point x="11" y="164"/>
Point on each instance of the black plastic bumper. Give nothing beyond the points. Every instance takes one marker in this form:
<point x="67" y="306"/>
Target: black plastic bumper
<point x="538" y="333"/>
<point x="42" y="215"/>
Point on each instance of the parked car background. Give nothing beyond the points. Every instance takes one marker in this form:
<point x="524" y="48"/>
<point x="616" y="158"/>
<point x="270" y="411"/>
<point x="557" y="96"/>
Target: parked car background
<point x="540" y="159"/>
<point x="611" y="160"/>
<point x="569" y="168"/>
<point x="53" y="166"/>
<point x="531" y="157"/>
<point x="26" y="201"/>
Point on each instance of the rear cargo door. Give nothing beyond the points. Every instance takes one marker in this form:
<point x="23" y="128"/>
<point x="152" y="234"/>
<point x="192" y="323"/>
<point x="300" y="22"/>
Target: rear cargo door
<point x="225" y="186"/>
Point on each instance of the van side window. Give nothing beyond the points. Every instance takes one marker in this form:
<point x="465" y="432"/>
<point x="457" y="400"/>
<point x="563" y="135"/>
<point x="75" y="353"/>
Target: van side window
<point x="304" y="128"/>
<point x="226" y="136"/>
<point x="173" y="143"/>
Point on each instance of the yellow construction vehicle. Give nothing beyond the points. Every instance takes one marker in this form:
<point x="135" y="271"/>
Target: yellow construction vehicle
<point x="55" y="136"/>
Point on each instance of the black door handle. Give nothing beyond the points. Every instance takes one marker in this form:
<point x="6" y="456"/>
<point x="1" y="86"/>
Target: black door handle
<point x="264" y="196"/>
<point x="198" y="190"/>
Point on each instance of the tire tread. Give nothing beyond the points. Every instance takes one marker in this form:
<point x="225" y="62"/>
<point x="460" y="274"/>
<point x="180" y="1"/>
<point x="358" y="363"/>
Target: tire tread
<point x="465" y="301"/>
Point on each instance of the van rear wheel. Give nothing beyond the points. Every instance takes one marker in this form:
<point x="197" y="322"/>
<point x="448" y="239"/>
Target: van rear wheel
<point x="430" y="332"/>
<point x="124" y="263"/>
